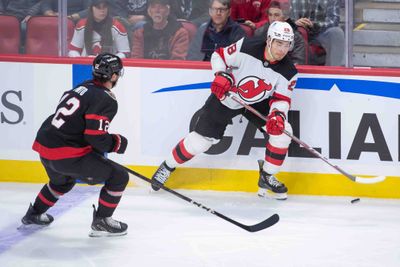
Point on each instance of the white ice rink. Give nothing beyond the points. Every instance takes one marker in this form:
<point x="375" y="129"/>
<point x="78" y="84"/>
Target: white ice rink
<point x="167" y="231"/>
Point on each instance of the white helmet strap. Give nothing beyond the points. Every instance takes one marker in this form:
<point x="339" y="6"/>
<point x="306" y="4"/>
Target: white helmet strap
<point x="269" y="46"/>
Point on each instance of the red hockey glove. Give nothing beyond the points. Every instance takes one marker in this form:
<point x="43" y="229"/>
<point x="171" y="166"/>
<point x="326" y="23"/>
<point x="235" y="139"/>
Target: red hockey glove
<point x="222" y="83"/>
<point x="120" y="143"/>
<point x="275" y="123"/>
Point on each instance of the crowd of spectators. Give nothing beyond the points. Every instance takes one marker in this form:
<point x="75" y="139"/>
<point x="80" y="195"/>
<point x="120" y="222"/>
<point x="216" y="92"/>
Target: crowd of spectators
<point x="153" y="29"/>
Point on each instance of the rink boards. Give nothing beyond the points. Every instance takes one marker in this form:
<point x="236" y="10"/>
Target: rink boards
<point x="351" y="116"/>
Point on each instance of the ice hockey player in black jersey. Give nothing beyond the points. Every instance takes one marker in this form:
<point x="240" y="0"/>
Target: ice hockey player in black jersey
<point x="71" y="144"/>
<point x="258" y="72"/>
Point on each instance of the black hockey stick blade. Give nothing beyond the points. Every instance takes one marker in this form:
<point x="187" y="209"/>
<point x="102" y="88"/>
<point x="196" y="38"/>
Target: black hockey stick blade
<point x="250" y="228"/>
<point x="273" y="219"/>
<point x="264" y="224"/>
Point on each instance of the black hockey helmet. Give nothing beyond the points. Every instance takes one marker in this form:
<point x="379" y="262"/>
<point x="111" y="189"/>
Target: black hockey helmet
<point x="105" y="65"/>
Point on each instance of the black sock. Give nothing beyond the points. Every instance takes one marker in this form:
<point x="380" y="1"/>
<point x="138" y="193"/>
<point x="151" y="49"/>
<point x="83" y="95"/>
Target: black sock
<point x="108" y="202"/>
<point x="44" y="200"/>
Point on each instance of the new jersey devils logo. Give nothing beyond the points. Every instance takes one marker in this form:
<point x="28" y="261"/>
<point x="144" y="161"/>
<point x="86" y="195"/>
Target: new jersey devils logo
<point x="253" y="89"/>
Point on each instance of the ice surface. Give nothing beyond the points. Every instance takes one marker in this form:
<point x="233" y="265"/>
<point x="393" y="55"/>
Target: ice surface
<point x="167" y="231"/>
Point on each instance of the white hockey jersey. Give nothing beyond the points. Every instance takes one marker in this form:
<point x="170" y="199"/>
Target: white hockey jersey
<point x="255" y="78"/>
<point x="120" y="45"/>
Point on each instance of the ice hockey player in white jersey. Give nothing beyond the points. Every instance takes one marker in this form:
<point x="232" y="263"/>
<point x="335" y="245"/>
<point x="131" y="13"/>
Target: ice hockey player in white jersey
<point x="259" y="72"/>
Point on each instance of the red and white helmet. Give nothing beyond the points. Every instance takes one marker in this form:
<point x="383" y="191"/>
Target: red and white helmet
<point x="281" y="31"/>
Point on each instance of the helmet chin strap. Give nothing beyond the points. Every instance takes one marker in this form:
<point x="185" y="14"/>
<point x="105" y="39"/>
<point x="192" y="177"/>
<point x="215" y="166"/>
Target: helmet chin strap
<point x="269" y="50"/>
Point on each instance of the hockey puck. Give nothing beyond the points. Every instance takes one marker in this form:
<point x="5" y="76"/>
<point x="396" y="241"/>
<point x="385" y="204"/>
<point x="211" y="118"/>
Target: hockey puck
<point x="355" y="200"/>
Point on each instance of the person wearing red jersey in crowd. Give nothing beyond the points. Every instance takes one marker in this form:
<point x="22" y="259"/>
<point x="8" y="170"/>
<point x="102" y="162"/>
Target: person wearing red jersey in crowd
<point x="71" y="143"/>
<point x="99" y="33"/>
<point x="258" y="71"/>
<point x="250" y="12"/>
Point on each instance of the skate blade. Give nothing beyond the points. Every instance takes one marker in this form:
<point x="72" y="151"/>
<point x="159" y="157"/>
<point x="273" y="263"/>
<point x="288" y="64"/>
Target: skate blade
<point x="265" y="193"/>
<point x="152" y="190"/>
<point x="30" y="227"/>
<point x="94" y="233"/>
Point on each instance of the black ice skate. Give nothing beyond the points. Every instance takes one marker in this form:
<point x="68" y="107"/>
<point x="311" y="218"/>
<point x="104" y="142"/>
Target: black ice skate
<point x="268" y="185"/>
<point x="161" y="176"/>
<point x="35" y="219"/>
<point x="107" y="226"/>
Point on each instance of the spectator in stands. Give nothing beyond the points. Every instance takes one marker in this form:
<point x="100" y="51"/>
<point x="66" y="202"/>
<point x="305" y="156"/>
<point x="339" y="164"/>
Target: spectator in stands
<point x="321" y="19"/>
<point x="99" y="33"/>
<point x="134" y="11"/>
<point x="182" y="9"/>
<point x="200" y="12"/>
<point x="22" y="9"/>
<point x="220" y="31"/>
<point x="191" y="10"/>
<point x="250" y="12"/>
<point x="162" y="37"/>
<point x="76" y="9"/>
<point x="280" y="11"/>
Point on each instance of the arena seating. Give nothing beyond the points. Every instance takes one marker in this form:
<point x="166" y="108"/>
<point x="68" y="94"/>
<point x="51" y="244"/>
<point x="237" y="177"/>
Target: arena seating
<point x="42" y="35"/>
<point x="9" y="35"/>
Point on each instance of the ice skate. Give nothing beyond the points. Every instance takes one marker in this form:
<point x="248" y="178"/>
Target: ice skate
<point x="161" y="176"/>
<point x="106" y="226"/>
<point x="32" y="219"/>
<point x="269" y="186"/>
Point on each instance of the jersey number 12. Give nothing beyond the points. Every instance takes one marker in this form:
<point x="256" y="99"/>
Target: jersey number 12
<point x="71" y="106"/>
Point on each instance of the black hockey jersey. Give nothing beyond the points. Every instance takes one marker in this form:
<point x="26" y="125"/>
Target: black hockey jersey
<point x="255" y="78"/>
<point x="79" y="125"/>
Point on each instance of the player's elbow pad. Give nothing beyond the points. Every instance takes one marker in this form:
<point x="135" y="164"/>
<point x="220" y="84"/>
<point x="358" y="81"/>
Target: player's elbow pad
<point x="102" y="143"/>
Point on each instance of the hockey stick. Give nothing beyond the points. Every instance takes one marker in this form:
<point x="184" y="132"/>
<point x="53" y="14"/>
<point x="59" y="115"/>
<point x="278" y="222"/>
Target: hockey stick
<point x="356" y="179"/>
<point x="250" y="228"/>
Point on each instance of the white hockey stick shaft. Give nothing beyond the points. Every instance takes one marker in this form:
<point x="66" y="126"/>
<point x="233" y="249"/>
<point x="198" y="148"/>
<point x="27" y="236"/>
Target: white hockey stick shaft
<point x="357" y="179"/>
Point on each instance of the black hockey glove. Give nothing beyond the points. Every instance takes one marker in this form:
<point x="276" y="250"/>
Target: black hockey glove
<point x="120" y="143"/>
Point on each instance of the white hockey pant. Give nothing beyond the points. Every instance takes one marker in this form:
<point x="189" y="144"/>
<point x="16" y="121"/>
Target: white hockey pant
<point x="192" y="145"/>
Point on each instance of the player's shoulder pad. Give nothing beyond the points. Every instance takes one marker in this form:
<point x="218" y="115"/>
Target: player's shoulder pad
<point x="254" y="46"/>
<point x="285" y="67"/>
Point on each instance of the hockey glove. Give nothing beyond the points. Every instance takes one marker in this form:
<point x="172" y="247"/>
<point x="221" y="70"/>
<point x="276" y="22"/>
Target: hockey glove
<point x="120" y="143"/>
<point x="222" y="83"/>
<point x="275" y="123"/>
